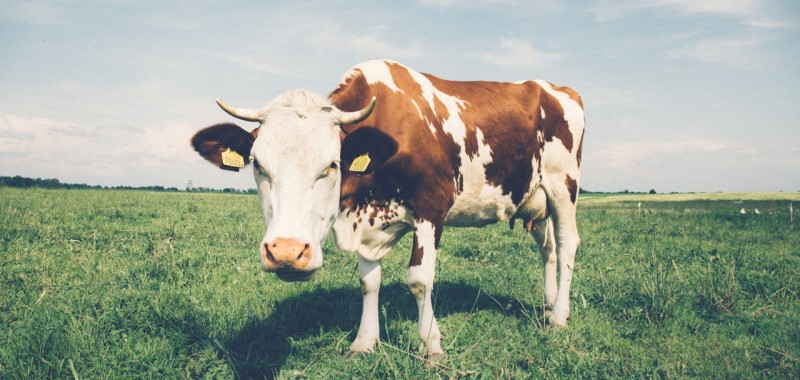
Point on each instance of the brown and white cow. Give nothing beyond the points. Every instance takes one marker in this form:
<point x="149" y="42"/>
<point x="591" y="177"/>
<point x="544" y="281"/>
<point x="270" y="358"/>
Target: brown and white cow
<point x="428" y="153"/>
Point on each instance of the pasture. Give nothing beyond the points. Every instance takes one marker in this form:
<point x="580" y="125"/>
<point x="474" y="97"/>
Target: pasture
<point x="132" y="284"/>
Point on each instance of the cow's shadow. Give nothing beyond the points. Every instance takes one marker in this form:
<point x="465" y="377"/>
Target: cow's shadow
<point x="261" y="347"/>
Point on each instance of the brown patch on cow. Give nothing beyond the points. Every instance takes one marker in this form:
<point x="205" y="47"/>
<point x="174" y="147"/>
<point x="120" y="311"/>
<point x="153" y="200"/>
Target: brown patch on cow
<point x="508" y="124"/>
<point x="352" y="95"/>
<point x="440" y="110"/>
<point x="417" y="252"/>
<point x="572" y="187"/>
<point x="436" y="156"/>
<point x="422" y="162"/>
<point x="554" y="125"/>
<point x="212" y="141"/>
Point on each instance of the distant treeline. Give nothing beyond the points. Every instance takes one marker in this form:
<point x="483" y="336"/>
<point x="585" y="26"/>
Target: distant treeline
<point x="52" y="183"/>
<point x="584" y="191"/>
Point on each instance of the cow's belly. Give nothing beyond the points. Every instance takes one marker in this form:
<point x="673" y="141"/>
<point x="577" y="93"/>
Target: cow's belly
<point x="479" y="206"/>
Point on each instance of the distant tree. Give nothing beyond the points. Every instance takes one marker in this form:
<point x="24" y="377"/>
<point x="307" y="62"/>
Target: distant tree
<point x="652" y="191"/>
<point x="52" y="183"/>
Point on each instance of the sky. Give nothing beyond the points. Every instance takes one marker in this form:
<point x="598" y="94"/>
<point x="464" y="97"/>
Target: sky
<point x="679" y="95"/>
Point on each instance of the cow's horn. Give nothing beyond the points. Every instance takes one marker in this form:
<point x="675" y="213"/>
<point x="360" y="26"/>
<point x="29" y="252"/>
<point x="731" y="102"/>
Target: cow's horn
<point x="240" y="113"/>
<point x="357" y="116"/>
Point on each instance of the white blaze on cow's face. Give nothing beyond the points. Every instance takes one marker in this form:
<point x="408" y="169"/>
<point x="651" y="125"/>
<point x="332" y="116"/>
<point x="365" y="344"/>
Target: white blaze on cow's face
<point x="297" y="173"/>
<point x="295" y="157"/>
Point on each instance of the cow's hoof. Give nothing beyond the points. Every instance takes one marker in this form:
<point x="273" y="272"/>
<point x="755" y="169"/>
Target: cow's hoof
<point x="431" y="360"/>
<point x="557" y="323"/>
<point x="350" y="353"/>
<point x="360" y="345"/>
<point x="354" y="352"/>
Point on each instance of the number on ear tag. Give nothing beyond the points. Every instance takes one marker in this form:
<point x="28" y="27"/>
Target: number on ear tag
<point x="232" y="159"/>
<point x="360" y="164"/>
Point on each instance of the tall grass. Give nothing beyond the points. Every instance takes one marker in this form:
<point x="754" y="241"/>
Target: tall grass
<point x="120" y="284"/>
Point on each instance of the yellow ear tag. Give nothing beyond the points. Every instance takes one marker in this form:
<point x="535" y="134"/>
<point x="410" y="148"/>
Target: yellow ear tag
<point x="360" y="164"/>
<point x="232" y="159"/>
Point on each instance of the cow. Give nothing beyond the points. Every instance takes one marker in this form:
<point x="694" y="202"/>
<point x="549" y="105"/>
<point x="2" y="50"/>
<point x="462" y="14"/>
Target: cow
<point x="391" y="151"/>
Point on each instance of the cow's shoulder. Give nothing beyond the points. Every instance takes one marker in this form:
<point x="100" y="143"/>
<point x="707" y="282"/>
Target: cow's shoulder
<point x="410" y="157"/>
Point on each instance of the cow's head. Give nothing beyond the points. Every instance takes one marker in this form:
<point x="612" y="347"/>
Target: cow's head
<point x="295" y="154"/>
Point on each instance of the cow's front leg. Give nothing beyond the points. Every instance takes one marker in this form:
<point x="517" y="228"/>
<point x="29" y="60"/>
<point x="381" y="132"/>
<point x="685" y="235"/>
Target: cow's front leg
<point x="420" y="281"/>
<point x="369" y="274"/>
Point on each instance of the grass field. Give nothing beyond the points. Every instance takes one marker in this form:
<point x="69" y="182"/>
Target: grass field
<point x="127" y="284"/>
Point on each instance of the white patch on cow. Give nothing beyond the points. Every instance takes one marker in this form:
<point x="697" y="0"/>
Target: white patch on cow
<point x="426" y="239"/>
<point x="479" y="203"/>
<point x="299" y="196"/>
<point x="573" y="112"/>
<point x="420" y="283"/>
<point x="372" y="240"/>
<point x="544" y="115"/>
<point x="453" y="124"/>
<point x="377" y="72"/>
<point x="556" y="156"/>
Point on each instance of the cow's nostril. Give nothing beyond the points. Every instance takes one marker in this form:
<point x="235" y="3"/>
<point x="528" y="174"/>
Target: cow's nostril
<point x="269" y="255"/>
<point x="306" y="250"/>
<point x="286" y="254"/>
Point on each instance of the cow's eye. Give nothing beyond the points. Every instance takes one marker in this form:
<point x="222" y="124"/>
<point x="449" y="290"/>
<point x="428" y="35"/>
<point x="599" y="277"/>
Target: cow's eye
<point x="260" y="169"/>
<point x="330" y="170"/>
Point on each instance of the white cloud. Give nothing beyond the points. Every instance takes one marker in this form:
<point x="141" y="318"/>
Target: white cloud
<point x="57" y="148"/>
<point x="249" y="62"/>
<point x="515" y="53"/>
<point x="751" y="12"/>
<point x="625" y="155"/>
<point x="437" y="3"/>
<point x="451" y="3"/>
<point x="32" y="12"/>
<point x="736" y="7"/>
<point x="768" y="23"/>
<point x="331" y="36"/>
<point x="608" y="10"/>
<point x="732" y="51"/>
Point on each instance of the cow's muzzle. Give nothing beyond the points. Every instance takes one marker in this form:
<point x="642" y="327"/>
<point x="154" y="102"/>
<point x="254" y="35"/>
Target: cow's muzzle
<point x="285" y="257"/>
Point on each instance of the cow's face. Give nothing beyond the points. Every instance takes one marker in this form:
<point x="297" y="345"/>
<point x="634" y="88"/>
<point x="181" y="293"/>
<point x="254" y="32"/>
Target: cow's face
<point x="295" y="157"/>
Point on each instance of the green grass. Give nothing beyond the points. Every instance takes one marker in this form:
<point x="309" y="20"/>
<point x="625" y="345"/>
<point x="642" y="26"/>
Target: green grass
<point x="130" y="284"/>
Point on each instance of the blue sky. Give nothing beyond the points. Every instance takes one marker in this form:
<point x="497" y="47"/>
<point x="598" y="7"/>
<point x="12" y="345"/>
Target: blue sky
<point x="680" y="95"/>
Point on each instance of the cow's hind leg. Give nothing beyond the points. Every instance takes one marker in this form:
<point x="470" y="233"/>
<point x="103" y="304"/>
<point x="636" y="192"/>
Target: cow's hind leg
<point x="369" y="274"/>
<point x="563" y="211"/>
<point x="421" y="272"/>
<point x="542" y="232"/>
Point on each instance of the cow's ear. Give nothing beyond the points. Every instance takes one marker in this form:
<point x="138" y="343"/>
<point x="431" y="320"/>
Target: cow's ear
<point x="225" y="145"/>
<point x="366" y="149"/>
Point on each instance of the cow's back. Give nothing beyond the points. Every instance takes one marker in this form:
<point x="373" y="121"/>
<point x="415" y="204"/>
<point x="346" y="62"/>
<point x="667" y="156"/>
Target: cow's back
<point x="478" y="150"/>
